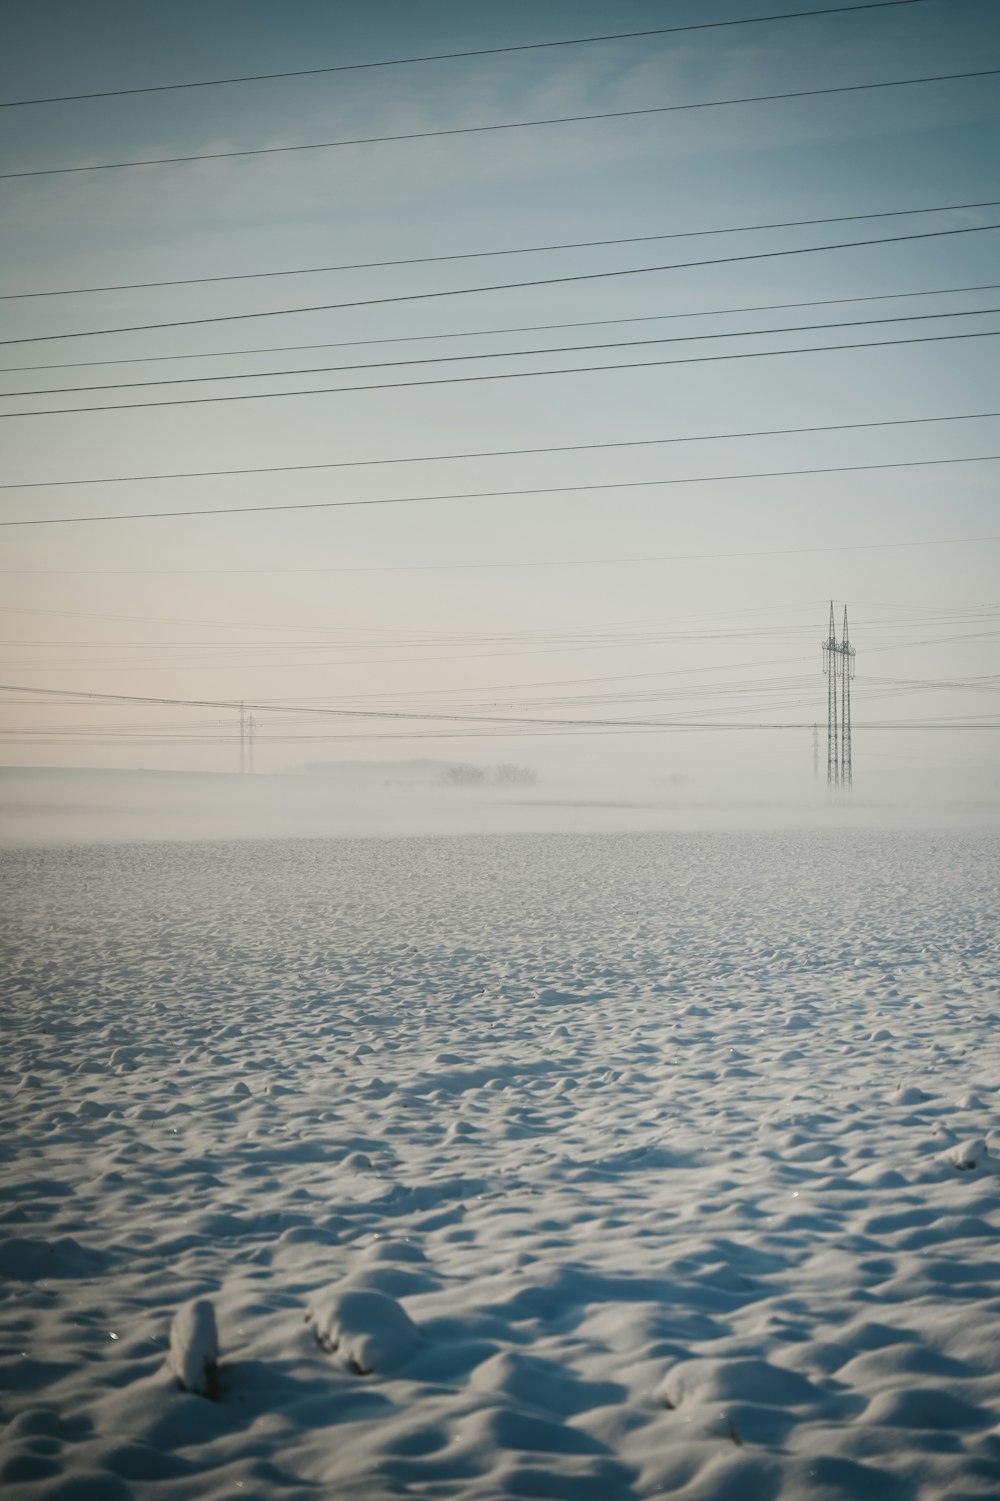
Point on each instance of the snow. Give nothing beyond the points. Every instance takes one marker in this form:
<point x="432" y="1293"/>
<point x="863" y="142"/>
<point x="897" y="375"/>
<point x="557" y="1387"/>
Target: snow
<point x="368" y="1330"/>
<point x="599" y="1167"/>
<point x="972" y="1156"/>
<point x="194" y="1347"/>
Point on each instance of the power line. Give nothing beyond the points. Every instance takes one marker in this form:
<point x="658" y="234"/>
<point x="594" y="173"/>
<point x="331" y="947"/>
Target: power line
<point x="500" y="649"/>
<point x="35" y="737"/>
<point x="243" y="666"/>
<point x="408" y="714"/>
<point x="497" y="453"/>
<point x="938" y="615"/>
<point x="505" y="286"/>
<point x="95" y="737"/>
<point x="458" y="380"/>
<point x="501" y="354"/>
<point x="423" y="716"/>
<point x="750" y="690"/>
<point x="528" y="328"/>
<point x="464" y="130"/>
<point x="610" y="633"/>
<point x="474" y="255"/>
<point x="174" y="620"/>
<point x="558" y="649"/>
<point x="397" y="62"/>
<point x="684" y="557"/>
<point x="278" y="704"/>
<point x="596" y="640"/>
<point x="401" y="500"/>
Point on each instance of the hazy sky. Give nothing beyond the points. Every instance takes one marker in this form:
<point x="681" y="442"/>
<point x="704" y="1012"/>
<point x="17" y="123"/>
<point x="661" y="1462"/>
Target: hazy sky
<point x="406" y="607"/>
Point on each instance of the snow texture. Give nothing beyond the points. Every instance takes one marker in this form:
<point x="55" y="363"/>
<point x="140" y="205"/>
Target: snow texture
<point x="586" y="1168"/>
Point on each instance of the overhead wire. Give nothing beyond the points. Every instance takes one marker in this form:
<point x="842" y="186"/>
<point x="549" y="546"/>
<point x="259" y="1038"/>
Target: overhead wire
<point x="906" y="615"/>
<point x="423" y="716"/>
<point x="684" y="557"/>
<point x="502" y="354"/>
<point x="456" y="380"/>
<point x="397" y="62"/>
<point x="493" y="734"/>
<point x="474" y="255"/>
<point x="732" y="694"/>
<point x="323" y="505"/>
<point x="538" y="734"/>
<point x="493" y="453"/>
<point x="630" y="634"/>
<point x="173" y="620"/>
<point x="687" y="615"/>
<point x="277" y="705"/>
<point x="338" y="710"/>
<point x="550" y="649"/>
<point x="465" y="130"/>
<point x="938" y="615"/>
<point x="316" y="505"/>
<point x="761" y="307"/>
<point x="545" y="281"/>
<point x="269" y="724"/>
<point x="575" y="682"/>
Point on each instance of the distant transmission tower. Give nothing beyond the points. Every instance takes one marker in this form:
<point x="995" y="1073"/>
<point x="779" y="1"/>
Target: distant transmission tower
<point x="838" y="664"/>
<point x="831" y="660"/>
<point x="846" y="674"/>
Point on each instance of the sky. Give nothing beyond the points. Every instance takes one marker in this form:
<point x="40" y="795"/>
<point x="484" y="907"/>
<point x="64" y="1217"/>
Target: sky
<point x="678" y="590"/>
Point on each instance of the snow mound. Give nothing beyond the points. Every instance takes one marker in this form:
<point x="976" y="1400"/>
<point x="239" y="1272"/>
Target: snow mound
<point x="970" y="1156"/>
<point x="194" y="1347"/>
<point x="908" y="1094"/>
<point x="26" y="1259"/>
<point x="747" y="1380"/>
<point x="393" y="1250"/>
<point x="368" y="1330"/>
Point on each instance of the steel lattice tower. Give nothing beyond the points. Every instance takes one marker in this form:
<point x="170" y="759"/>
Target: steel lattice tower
<point x="838" y="664"/>
<point x="831" y="660"/>
<point x="846" y="674"/>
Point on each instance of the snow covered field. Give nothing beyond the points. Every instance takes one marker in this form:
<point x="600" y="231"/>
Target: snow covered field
<point x="550" y="1167"/>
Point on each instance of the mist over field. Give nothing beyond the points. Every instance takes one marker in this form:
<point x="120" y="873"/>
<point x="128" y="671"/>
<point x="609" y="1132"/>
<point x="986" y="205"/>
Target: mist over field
<point x="380" y="799"/>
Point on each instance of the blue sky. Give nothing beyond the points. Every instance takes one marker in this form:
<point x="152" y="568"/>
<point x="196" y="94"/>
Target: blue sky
<point x="448" y="632"/>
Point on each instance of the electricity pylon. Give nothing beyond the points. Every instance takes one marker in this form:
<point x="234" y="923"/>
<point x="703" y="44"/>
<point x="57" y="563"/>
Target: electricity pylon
<point x="838" y="664"/>
<point x="846" y="674"/>
<point x="831" y="660"/>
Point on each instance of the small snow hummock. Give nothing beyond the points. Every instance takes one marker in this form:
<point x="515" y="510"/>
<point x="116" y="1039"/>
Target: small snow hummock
<point x="970" y="1156"/>
<point x="194" y="1347"/>
<point x="368" y="1330"/>
<point x="908" y="1094"/>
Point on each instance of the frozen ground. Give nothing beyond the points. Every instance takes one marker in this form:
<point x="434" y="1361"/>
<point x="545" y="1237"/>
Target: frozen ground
<point x="545" y="1167"/>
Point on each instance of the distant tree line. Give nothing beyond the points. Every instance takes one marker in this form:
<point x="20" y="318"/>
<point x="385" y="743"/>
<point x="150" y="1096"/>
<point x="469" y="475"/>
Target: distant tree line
<point x="462" y="774"/>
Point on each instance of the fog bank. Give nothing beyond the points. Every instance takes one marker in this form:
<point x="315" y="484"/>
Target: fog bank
<point x="70" y="806"/>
